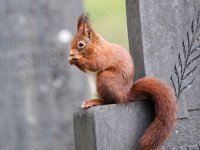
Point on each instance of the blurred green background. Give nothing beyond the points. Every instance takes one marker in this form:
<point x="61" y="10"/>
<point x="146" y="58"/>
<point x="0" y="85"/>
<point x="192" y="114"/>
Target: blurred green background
<point x="109" y="19"/>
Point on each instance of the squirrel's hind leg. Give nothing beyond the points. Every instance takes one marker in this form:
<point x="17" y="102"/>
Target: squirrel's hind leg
<point x="91" y="103"/>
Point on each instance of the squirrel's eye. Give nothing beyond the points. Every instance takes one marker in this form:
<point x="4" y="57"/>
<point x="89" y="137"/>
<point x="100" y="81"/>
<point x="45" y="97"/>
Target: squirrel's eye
<point x="81" y="44"/>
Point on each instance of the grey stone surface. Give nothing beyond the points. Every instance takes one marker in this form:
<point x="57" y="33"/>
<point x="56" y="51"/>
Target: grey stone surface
<point x="112" y="127"/>
<point x="156" y="33"/>
<point x="36" y="83"/>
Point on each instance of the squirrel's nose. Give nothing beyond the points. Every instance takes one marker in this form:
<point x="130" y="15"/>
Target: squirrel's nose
<point x="71" y="54"/>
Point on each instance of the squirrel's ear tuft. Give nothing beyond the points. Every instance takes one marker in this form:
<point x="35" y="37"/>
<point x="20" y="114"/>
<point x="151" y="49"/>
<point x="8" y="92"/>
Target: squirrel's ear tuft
<point x="84" y="25"/>
<point x="83" y="20"/>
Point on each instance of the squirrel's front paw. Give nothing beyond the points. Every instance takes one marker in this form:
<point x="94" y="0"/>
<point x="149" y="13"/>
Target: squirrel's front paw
<point x="74" y="59"/>
<point x="71" y="61"/>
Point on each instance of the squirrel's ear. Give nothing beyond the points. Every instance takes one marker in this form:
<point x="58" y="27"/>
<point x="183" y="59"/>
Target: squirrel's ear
<point x="84" y="25"/>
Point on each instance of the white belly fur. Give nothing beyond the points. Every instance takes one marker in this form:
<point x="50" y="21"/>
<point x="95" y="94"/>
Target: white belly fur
<point x="92" y="83"/>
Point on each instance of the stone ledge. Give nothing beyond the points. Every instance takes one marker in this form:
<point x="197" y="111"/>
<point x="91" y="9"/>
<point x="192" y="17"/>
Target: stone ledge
<point x="112" y="127"/>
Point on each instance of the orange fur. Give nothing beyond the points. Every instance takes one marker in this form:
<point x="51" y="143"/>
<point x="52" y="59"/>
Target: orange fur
<point x="114" y="81"/>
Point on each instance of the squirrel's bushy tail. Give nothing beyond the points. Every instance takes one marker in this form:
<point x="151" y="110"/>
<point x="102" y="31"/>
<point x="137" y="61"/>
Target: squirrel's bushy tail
<point x="165" y="106"/>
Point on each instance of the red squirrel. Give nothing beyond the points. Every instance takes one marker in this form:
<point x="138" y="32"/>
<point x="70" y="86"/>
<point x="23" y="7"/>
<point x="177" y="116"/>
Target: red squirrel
<point x="114" y="70"/>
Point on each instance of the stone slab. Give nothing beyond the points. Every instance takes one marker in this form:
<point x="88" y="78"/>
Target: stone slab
<point x="112" y="127"/>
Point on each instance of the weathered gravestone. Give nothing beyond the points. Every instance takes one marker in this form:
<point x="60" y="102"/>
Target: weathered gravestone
<point x="164" y="39"/>
<point x="36" y="83"/>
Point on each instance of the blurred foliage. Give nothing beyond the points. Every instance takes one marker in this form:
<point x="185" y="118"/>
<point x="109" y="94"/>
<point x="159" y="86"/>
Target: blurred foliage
<point x="109" y="19"/>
